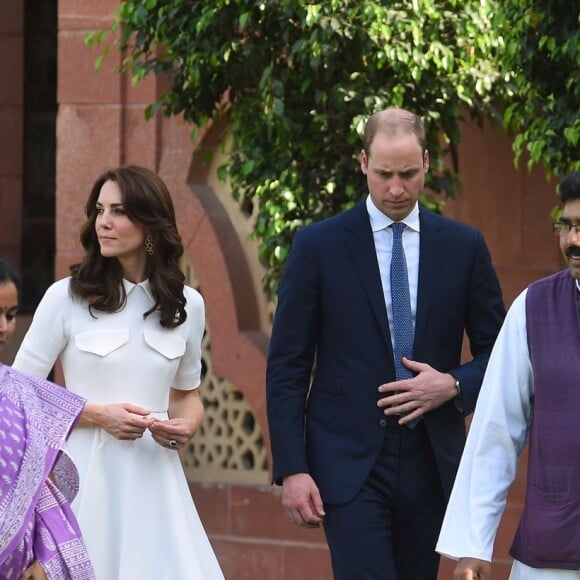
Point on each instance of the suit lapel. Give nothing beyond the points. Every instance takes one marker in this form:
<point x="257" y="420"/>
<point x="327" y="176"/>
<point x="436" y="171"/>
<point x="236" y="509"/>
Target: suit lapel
<point x="430" y="254"/>
<point x="361" y="246"/>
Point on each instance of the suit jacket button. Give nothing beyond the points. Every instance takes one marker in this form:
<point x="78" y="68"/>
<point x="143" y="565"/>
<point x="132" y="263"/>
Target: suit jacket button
<point x="383" y="423"/>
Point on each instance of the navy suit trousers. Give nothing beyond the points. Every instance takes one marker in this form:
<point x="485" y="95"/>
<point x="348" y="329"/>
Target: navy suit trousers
<point x="390" y="528"/>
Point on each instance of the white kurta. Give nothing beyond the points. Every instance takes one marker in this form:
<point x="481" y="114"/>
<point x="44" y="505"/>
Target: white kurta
<point x="498" y="433"/>
<point x="134" y="506"/>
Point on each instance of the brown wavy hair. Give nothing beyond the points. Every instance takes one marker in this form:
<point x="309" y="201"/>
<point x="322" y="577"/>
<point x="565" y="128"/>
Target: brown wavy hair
<point x="98" y="280"/>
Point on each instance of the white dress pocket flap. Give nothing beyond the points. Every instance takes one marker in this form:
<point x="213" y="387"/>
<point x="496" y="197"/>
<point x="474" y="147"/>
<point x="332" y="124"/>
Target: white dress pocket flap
<point x="102" y="342"/>
<point x="166" y="344"/>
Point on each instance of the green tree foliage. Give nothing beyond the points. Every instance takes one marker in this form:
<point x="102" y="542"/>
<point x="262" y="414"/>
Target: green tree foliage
<point x="296" y="80"/>
<point x="542" y="67"/>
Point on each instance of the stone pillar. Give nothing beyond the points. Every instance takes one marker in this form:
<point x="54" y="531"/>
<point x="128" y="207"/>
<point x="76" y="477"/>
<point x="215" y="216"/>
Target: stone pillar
<point x="11" y="127"/>
<point x="100" y="120"/>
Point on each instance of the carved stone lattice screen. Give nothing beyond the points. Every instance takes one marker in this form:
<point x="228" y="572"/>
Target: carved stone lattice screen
<point x="229" y="447"/>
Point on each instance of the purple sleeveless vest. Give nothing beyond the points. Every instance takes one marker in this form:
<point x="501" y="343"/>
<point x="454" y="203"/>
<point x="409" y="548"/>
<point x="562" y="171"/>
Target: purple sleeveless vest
<point x="549" y="532"/>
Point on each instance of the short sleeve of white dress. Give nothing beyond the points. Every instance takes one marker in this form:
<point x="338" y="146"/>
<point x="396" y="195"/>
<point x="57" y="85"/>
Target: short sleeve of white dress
<point x="47" y="334"/>
<point x="189" y="372"/>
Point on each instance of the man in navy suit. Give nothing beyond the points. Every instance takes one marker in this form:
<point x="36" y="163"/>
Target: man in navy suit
<point x="370" y="458"/>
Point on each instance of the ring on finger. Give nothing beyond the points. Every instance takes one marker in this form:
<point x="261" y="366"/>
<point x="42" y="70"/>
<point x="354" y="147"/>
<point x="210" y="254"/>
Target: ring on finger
<point x="172" y="443"/>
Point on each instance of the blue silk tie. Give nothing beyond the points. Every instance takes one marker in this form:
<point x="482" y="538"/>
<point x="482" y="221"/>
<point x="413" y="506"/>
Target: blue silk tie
<point x="401" y="304"/>
<point x="403" y="333"/>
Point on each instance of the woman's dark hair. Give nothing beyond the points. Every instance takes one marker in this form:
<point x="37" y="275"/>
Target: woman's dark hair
<point x="9" y="274"/>
<point x="98" y="280"/>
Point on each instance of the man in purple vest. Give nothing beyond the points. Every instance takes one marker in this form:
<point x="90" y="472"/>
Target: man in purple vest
<point x="530" y="393"/>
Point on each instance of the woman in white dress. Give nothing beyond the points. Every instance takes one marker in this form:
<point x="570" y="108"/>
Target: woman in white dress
<point x="128" y="333"/>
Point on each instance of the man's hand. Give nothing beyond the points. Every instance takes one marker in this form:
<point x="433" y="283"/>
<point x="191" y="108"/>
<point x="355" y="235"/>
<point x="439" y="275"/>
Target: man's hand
<point x="472" y="569"/>
<point x="301" y="500"/>
<point x="414" y="397"/>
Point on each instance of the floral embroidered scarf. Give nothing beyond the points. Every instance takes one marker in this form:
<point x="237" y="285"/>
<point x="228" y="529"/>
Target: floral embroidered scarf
<point x="38" y="479"/>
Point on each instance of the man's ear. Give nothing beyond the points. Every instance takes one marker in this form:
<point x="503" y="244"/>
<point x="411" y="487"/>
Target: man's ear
<point x="364" y="162"/>
<point x="425" y="160"/>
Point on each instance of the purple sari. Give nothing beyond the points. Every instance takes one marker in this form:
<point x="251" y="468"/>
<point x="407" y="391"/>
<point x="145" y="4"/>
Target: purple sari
<point x="36" y="521"/>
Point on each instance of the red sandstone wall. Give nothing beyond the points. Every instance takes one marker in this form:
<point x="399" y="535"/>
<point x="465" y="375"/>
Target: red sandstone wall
<point x="11" y="127"/>
<point x="510" y="206"/>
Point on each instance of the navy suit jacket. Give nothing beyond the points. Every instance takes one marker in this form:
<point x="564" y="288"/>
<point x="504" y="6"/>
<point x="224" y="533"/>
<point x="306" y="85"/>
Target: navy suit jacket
<point x="331" y="348"/>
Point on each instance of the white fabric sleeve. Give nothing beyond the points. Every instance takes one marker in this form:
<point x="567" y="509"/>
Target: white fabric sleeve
<point x="189" y="373"/>
<point x="46" y="336"/>
<point x="498" y="433"/>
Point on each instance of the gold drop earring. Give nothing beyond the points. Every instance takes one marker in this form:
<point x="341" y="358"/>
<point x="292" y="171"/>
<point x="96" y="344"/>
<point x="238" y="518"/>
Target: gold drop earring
<point x="149" y="245"/>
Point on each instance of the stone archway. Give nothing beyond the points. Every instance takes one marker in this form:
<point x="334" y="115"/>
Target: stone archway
<point x="223" y="265"/>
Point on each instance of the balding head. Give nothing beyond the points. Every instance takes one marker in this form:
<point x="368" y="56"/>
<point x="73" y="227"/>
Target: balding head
<point x="394" y="121"/>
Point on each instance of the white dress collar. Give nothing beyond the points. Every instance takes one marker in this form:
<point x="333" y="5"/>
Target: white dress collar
<point x="145" y="286"/>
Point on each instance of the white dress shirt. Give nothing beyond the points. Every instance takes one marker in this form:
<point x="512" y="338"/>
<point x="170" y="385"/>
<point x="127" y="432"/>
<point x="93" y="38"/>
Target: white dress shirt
<point x="498" y="433"/>
<point x="383" y="236"/>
